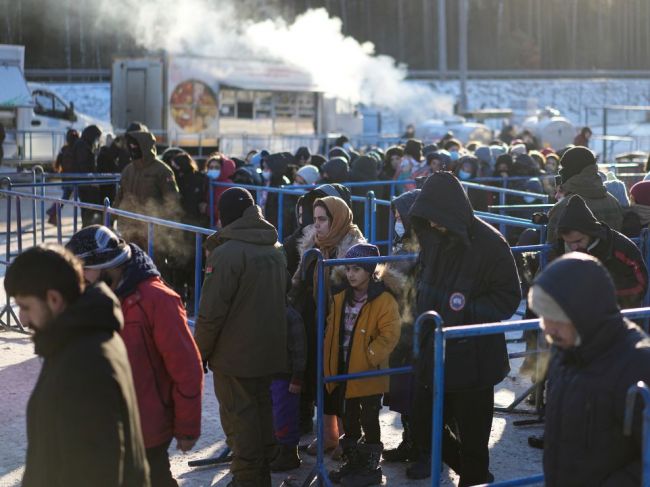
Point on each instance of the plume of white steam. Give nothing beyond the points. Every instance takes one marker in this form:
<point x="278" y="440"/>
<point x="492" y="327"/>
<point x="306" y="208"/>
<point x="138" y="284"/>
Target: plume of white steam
<point x="341" y="66"/>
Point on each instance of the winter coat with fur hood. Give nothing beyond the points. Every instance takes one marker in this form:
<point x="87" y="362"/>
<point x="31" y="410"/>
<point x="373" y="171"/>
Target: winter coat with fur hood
<point x="376" y="332"/>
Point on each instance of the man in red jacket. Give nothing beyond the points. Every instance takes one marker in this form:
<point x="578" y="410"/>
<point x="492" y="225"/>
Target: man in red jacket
<point x="166" y="364"/>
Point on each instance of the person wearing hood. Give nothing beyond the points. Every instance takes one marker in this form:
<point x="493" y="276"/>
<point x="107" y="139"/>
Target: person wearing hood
<point x="306" y="175"/>
<point x="467" y="274"/>
<point x="84" y="161"/>
<point x="364" y="168"/>
<point x="339" y="152"/>
<point x="305" y="217"/>
<point x="278" y="166"/>
<point x="83" y="425"/>
<point x="363" y="327"/>
<point x="638" y="216"/>
<point x="64" y="164"/>
<point x="148" y="187"/>
<point x="166" y="365"/>
<point x="220" y="169"/>
<point x="617" y="189"/>
<point x="597" y="355"/>
<point x="484" y="155"/>
<point x="580" y="231"/>
<point x="411" y="161"/>
<point x="333" y="233"/>
<point x="466" y="170"/>
<point x="303" y="156"/>
<point x="336" y="170"/>
<point x="579" y="175"/>
<point x="241" y="330"/>
<point x="400" y="394"/>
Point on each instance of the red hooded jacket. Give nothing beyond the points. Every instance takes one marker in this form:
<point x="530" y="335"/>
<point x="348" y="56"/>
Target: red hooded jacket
<point x="165" y="361"/>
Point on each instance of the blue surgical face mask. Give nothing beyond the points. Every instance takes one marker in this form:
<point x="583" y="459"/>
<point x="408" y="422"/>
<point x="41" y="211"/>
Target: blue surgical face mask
<point x="399" y="229"/>
<point x="454" y="155"/>
<point x="266" y="174"/>
<point x="347" y="146"/>
<point x="464" y="175"/>
<point x="529" y="199"/>
<point x="214" y="173"/>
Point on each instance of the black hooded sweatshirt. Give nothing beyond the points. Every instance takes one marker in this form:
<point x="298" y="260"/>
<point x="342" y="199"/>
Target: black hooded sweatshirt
<point x="279" y="163"/>
<point x="364" y="168"/>
<point x="469" y="277"/>
<point x="584" y="442"/>
<point x="620" y="256"/>
<point x="83" y="425"/>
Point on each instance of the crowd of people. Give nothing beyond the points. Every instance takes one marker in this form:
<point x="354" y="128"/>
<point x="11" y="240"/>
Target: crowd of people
<point x="112" y="327"/>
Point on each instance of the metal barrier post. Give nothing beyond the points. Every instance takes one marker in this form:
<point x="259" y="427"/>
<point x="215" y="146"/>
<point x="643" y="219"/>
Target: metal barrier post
<point x="438" y="401"/>
<point x="211" y="209"/>
<point x="34" y="222"/>
<point x="75" y="210"/>
<point x="373" y="216"/>
<point x="198" y="264"/>
<point x="19" y="225"/>
<point x="502" y="201"/>
<point x="150" y="239"/>
<point x="280" y="215"/>
<point x="107" y="215"/>
<point x="59" y="233"/>
<point x="640" y="389"/>
<point x="40" y="168"/>
<point x="366" y="216"/>
<point x="320" y="399"/>
<point x="391" y="221"/>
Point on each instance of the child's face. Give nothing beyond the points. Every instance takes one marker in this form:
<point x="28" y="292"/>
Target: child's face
<point x="357" y="277"/>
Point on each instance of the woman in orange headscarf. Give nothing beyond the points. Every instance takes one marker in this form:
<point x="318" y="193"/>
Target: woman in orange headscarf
<point x="333" y="233"/>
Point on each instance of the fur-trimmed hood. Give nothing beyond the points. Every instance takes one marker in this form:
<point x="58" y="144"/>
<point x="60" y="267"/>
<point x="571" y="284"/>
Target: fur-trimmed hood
<point x="308" y="241"/>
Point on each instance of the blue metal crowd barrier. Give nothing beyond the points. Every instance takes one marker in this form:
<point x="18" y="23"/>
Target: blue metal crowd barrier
<point x="107" y="212"/>
<point x="640" y="389"/>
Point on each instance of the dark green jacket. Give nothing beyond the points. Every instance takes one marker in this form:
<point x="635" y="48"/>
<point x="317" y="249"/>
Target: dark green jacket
<point x="241" y="328"/>
<point x="590" y="187"/>
<point x="83" y="426"/>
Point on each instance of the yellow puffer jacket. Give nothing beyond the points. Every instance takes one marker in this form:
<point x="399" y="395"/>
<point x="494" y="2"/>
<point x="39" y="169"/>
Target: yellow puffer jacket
<point x="375" y="335"/>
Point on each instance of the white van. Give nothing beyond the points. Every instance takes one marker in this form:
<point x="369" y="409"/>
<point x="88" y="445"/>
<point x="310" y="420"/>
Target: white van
<point x="35" y="118"/>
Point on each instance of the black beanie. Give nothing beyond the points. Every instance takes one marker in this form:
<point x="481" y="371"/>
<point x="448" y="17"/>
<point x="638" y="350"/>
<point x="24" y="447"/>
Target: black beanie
<point x="574" y="161"/>
<point x="233" y="203"/>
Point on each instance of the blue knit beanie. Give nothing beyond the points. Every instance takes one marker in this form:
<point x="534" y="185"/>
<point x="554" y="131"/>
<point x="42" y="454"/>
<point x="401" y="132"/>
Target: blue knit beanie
<point x="364" y="250"/>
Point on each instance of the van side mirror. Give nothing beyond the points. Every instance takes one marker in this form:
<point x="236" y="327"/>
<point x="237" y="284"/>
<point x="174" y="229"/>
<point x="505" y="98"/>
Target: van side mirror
<point x="71" y="115"/>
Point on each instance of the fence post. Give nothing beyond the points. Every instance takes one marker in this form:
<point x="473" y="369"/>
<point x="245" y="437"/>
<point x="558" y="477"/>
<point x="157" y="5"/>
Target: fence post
<point x="107" y="215"/>
<point x="150" y="239"/>
<point x="211" y="209"/>
<point x="640" y="388"/>
<point x="280" y="215"/>
<point x="438" y="401"/>
<point x="502" y="202"/>
<point x="391" y="221"/>
<point x="373" y="216"/>
<point x="19" y="225"/>
<point x="198" y="264"/>
<point x="75" y="210"/>
<point x="320" y="400"/>
<point x="59" y="233"/>
<point x="366" y="217"/>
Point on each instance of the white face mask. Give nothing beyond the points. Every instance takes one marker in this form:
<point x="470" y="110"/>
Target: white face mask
<point x="399" y="229"/>
<point x="214" y="173"/>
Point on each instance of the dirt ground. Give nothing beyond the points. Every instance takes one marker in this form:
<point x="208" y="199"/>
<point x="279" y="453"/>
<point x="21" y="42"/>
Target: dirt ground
<point x="510" y="456"/>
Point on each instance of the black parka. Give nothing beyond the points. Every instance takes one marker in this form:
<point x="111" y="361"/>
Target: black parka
<point x="619" y="254"/>
<point x="469" y="277"/>
<point x="584" y="440"/>
<point x="83" y="425"/>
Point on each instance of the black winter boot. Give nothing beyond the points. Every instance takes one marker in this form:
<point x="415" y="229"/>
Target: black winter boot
<point x="420" y="469"/>
<point x="369" y="471"/>
<point x="351" y="460"/>
<point x="287" y="459"/>
<point x="405" y="451"/>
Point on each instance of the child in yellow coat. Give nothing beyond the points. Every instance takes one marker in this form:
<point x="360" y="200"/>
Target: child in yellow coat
<point x="363" y="328"/>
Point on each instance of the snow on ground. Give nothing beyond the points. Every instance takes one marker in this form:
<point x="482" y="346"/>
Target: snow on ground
<point x="19" y="367"/>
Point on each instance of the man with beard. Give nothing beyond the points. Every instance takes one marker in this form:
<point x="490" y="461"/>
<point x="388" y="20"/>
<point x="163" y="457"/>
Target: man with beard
<point x="83" y="426"/>
<point x="468" y="275"/>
